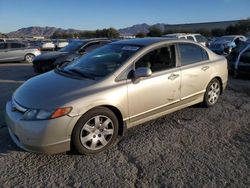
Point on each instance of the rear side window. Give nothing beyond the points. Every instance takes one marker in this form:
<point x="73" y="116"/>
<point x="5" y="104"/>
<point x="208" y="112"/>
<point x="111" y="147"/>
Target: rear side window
<point x="191" y="53"/>
<point x="16" y="45"/>
<point x="3" y="46"/>
<point x="200" y="38"/>
<point x="190" y="38"/>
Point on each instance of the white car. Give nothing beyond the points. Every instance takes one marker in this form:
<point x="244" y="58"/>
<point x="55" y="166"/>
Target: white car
<point x="189" y="36"/>
<point x="60" y="44"/>
<point x="47" y="45"/>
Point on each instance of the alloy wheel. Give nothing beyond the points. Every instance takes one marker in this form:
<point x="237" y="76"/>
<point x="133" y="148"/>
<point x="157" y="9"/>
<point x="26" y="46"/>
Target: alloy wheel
<point x="213" y="93"/>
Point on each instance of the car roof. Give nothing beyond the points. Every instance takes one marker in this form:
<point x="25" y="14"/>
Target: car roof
<point x="233" y="36"/>
<point x="181" y="34"/>
<point x="143" y="41"/>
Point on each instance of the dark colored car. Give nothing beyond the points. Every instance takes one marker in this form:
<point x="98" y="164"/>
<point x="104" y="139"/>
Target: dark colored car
<point x="50" y="60"/>
<point x="239" y="60"/>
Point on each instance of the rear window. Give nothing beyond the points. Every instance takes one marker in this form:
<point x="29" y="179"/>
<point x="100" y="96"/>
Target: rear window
<point x="191" y="53"/>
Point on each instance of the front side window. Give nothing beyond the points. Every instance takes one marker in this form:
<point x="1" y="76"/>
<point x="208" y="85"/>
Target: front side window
<point x="92" y="46"/>
<point x="191" y="53"/>
<point x="101" y="61"/>
<point x="159" y="59"/>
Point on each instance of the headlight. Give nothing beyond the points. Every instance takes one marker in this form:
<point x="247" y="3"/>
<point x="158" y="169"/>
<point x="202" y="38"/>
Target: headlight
<point x="39" y="114"/>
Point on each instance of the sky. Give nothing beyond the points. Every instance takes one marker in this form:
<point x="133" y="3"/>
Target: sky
<point x="99" y="14"/>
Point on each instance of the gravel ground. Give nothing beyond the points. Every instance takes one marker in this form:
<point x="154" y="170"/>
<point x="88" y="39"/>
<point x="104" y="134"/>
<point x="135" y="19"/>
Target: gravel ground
<point x="194" y="147"/>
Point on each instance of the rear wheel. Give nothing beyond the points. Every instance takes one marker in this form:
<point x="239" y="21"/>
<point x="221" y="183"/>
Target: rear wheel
<point x="95" y="131"/>
<point x="29" y="58"/>
<point x="212" y="93"/>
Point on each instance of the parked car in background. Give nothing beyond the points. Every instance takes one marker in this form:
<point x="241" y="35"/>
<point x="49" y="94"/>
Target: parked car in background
<point x="225" y="44"/>
<point x="47" y="45"/>
<point x="239" y="60"/>
<point x="189" y="36"/>
<point x="17" y="51"/>
<point x="88" y="103"/>
<point x="2" y="40"/>
<point x="60" y="43"/>
<point x="50" y="60"/>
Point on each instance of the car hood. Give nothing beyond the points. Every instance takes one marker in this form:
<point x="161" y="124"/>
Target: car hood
<point x="51" y="90"/>
<point x="50" y="55"/>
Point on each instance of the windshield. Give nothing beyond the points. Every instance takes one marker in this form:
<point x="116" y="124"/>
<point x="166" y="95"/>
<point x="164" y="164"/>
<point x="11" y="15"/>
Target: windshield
<point x="102" y="61"/>
<point x="73" y="46"/>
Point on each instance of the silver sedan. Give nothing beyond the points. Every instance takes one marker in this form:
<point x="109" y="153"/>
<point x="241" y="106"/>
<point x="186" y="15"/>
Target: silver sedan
<point x="16" y="51"/>
<point x="88" y="103"/>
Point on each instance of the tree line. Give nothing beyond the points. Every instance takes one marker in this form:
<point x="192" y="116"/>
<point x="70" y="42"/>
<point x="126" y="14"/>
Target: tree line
<point x="109" y="33"/>
<point x="240" y="28"/>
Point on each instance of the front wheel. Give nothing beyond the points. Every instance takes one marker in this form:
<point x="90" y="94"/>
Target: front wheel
<point x="212" y="93"/>
<point x="95" y="131"/>
<point x="29" y="58"/>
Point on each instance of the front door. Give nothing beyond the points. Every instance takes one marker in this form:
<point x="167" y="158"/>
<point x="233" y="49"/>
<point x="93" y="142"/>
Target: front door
<point x="151" y="95"/>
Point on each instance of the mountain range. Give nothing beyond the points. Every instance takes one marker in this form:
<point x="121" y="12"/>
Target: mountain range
<point x="133" y="30"/>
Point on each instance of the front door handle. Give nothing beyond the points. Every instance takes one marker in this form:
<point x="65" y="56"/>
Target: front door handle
<point x="205" y="68"/>
<point x="173" y="76"/>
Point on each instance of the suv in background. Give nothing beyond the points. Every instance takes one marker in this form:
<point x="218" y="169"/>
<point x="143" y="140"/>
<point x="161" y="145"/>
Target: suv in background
<point x="225" y="44"/>
<point x="73" y="50"/>
<point x="189" y="36"/>
<point x="17" y="51"/>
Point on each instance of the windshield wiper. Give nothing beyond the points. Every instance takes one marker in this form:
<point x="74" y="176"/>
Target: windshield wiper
<point x="82" y="74"/>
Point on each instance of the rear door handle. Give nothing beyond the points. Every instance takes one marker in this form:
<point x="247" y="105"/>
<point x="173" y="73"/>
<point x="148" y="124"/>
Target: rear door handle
<point x="205" y="68"/>
<point x="173" y="76"/>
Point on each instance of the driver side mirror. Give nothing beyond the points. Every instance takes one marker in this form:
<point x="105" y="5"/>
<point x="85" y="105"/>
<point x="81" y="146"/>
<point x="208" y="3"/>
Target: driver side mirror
<point x="141" y="72"/>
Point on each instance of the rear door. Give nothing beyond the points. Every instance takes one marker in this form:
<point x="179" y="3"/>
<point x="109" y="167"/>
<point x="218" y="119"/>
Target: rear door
<point x="195" y="69"/>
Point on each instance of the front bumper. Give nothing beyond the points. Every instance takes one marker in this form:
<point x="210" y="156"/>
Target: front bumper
<point x="41" y="136"/>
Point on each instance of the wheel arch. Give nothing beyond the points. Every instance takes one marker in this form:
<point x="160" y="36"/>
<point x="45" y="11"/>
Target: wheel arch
<point x="122" y="125"/>
<point x="118" y="114"/>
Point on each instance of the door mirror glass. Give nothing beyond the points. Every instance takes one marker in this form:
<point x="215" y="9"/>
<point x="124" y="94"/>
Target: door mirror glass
<point x="142" y="72"/>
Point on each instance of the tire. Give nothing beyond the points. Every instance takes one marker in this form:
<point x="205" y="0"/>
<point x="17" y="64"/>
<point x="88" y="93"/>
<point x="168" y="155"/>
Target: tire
<point x="212" y="93"/>
<point x="95" y="131"/>
<point x="29" y="58"/>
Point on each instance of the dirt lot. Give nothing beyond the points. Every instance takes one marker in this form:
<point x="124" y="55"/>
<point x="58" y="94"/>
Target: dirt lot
<point x="195" y="147"/>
